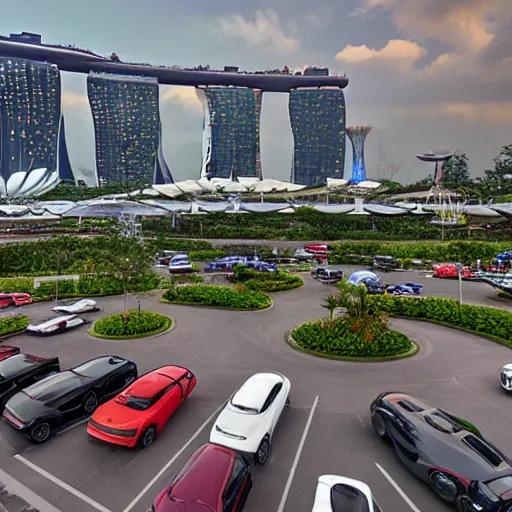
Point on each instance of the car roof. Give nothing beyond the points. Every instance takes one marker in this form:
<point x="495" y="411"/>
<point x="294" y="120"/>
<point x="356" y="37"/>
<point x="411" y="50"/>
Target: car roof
<point x="205" y="475"/>
<point x="54" y="319"/>
<point x="255" y="390"/>
<point x="19" y="363"/>
<point x="54" y="386"/>
<point x="99" y="366"/>
<point x="149" y="385"/>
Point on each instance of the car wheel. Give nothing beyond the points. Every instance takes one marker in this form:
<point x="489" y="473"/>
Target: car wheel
<point x="147" y="437"/>
<point x="263" y="451"/>
<point x="444" y="486"/>
<point x="90" y="403"/>
<point x="464" y="504"/>
<point x="40" y="432"/>
<point x="379" y="426"/>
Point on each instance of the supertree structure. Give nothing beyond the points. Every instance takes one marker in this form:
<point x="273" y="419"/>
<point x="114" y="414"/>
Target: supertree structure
<point x="357" y="135"/>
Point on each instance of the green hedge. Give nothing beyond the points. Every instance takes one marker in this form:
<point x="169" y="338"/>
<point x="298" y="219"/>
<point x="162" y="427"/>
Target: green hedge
<point x="135" y="324"/>
<point x="338" y="339"/>
<point x="206" y="255"/>
<point x="434" y="251"/>
<point x="218" y="296"/>
<point x="85" y="286"/>
<point x="15" y="323"/>
<point x="177" y="244"/>
<point x="480" y="319"/>
<point x="266" y="281"/>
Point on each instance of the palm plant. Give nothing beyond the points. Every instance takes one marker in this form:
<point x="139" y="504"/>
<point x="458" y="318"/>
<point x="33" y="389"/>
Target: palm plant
<point x="331" y="303"/>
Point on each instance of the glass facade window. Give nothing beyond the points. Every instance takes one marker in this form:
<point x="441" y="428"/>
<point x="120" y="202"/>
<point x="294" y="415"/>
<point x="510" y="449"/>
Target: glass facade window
<point x="231" y="141"/>
<point x="127" y="128"/>
<point x="30" y="113"/>
<point x="317" y="118"/>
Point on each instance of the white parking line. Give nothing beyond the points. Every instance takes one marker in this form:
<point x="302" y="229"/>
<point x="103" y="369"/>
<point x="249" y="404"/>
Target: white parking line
<point x="71" y="427"/>
<point x="297" y="456"/>
<point x="63" y="485"/>
<point x="398" y="489"/>
<point x="152" y="482"/>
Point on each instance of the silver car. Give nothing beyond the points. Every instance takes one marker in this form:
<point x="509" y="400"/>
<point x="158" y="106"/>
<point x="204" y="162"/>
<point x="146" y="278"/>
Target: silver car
<point x="76" y="306"/>
<point x="56" y="325"/>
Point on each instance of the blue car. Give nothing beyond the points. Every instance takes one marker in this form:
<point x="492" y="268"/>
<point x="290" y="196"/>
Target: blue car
<point x="229" y="262"/>
<point x="404" y="289"/>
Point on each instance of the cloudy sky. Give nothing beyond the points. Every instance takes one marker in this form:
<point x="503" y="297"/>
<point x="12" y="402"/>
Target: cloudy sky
<point x="425" y="73"/>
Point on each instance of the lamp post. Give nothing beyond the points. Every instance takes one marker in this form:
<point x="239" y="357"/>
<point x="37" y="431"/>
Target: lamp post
<point x="459" y="274"/>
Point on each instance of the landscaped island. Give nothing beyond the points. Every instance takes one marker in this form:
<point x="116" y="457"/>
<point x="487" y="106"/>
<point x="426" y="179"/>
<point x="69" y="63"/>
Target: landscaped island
<point x="131" y="324"/>
<point x="218" y="296"/>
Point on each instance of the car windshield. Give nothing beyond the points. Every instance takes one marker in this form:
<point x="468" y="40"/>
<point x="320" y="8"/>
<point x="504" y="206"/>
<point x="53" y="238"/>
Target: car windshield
<point x="134" y="402"/>
<point x="345" y="498"/>
<point x="17" y="364"/>
<point x="53" y="387"/>
<point x="244" y="408"/>
<point x="98" y="367"/>
<point x="502" y="487"/>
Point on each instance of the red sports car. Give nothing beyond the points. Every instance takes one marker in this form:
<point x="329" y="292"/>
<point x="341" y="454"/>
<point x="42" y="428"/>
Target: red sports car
<point x="449" y="271"/>
<point x="6" y="351"/>
<point x="14" y="299"/>
<point x="137" y="415"/>
<point x="214" y="479"/>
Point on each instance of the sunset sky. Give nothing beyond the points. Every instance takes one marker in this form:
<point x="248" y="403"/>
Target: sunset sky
<point x="425" y="73"/>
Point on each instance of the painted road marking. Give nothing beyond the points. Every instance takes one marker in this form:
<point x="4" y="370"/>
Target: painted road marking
<point x="152" y="482"/>
<point x="63" y="485"/>
<point x="404" y="496"/>
<point x="297" y="456"/>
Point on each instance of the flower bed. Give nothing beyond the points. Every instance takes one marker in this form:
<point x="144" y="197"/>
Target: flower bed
<point x="341" y="339"/>
<point x="495" y="323"/>
<point x="12" y="324"/>
<point x="266" y="281"/>
<point x="218" y="296"/>
<point x="134" y="324"/>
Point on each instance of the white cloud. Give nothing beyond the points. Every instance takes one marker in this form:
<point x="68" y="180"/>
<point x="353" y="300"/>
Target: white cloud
<point x="265" y="30"/>
<point x="399" y="52"/>
<point x="184" y="96"/>
<point x="73" y="100"/>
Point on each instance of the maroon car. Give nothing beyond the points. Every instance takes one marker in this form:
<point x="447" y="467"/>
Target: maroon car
<point x="6" y="351"/>
<point x="215" y="479"/>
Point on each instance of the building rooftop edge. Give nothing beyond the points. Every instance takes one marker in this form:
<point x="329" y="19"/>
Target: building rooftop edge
<point x="82" y="62"/>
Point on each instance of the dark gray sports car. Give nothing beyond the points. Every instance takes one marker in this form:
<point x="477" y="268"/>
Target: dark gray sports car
<point x="445" y="451"/>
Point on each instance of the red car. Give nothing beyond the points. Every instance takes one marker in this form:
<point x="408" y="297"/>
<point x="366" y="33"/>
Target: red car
<point x="6" y="351"/>
<point x="138" y="414"/>
<point x="214" y="479"/>
<point x="317" y="249"/>
<point x="449" y="271"/>
<point x="14" y="299"/>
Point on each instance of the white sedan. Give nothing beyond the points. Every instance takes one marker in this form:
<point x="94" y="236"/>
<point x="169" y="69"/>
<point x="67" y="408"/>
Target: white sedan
<point x="248" y="421"/>
<point x="76" y="306"/>
<point x="340" y="494"/>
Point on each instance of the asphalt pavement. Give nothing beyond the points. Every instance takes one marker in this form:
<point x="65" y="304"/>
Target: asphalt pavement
<point x="326" y="429"/>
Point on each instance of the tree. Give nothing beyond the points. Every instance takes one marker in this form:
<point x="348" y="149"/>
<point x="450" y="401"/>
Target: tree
<point x="456" y="171"/>
<point x="331" y="303"/>
<point x="130" y="262"/>
<point x="497" y="181"/>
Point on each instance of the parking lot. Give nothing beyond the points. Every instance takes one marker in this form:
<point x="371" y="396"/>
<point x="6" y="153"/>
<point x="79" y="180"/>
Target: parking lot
<point x="326" y="429"/>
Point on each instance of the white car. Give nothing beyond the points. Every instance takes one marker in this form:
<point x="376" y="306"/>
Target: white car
<point x="341" y="494"/>
<point x="248" y="421"/>
<point x="56" y="325"/>
<point x="506" y="377"/>
<point x="76" y="306"/>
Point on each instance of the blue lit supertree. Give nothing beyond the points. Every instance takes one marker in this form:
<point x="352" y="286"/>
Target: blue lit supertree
<point x="357" y="135"/>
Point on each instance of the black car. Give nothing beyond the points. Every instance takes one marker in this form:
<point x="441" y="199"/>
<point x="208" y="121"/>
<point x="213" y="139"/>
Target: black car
<point x="327" y="274"/>
<point x="445" y="451"/>
<point x="22" y="370"/>
<point x="44" y="408"/>
<point x="374" y="287"/>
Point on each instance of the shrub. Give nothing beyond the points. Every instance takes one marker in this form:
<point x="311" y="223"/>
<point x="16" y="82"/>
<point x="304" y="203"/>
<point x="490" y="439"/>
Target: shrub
<point x="481" y="319"/>
<point x="15" y="323"/>
<point x="341" y="338"/>
<point x="17" y="284"/>
<point x="266" y="281"/>
<point x="138" y="323"/>
<point x="206" y="255"/>
<point x="182" y="279"/>
<point x="219" y="296"/>
<point x="176" y="244"/>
